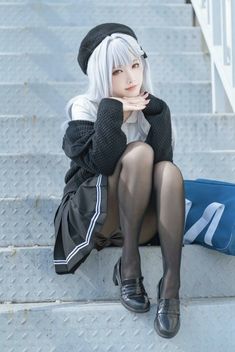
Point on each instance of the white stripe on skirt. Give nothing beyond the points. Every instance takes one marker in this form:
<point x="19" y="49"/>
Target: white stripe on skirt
<point x="90" y="228"/>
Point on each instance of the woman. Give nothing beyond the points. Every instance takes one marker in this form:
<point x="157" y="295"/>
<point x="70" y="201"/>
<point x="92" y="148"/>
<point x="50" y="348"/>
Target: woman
<point x="122" y="187"/>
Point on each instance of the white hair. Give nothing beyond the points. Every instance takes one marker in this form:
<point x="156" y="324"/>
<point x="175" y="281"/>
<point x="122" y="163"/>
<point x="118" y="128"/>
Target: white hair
<point x="117" y="49"/>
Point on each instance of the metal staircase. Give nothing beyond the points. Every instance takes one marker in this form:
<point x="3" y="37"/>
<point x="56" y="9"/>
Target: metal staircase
<point x="41" y="311"/>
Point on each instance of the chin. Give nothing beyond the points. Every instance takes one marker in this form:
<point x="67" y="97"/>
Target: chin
<point x="133" y="93"/>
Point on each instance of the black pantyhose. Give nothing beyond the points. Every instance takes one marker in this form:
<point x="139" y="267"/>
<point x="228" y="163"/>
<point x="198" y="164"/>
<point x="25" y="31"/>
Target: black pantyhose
<point x="134" y="187"/>
<point x="138" y="177"/>
<point x="170" y="210"/>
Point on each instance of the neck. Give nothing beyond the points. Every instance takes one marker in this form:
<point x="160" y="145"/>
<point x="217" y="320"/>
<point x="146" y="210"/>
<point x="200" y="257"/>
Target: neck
<point x="127" y="114"/>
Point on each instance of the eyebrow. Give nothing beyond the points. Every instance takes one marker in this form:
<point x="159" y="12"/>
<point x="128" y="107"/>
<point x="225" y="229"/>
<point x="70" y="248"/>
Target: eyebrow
<point x="120" y="66"/>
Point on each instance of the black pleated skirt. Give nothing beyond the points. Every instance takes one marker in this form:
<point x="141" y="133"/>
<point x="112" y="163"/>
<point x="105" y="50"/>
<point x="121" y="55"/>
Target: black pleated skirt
<point x="77" y="223"/>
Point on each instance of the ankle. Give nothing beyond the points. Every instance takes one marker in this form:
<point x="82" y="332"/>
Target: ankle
<point x="130" y="269"/>
<point x="170" y="287"/>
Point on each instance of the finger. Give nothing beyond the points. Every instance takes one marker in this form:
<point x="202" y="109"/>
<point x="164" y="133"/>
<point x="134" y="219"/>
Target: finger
<point x="145" y="102"/>
<point x="143" y="94"/>
<point x="136" y="107"/>
<point x="138" y="104"/>
<point x="131" y="98"/>
<point x="135" y="100"/>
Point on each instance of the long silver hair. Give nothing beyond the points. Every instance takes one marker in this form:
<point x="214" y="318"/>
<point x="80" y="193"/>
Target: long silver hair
<point x="115" y="50"/>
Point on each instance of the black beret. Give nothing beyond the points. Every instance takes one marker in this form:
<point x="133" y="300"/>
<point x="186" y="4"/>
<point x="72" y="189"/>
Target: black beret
<point x="95" y="36"/>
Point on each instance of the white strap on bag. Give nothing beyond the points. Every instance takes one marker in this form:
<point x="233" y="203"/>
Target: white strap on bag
<point x="214" y="209"/>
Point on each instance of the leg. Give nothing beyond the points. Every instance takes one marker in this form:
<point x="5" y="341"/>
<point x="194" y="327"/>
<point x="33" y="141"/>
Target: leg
<point x="149" y="225"/>
<point x="134" y="188"/>
<point x="170" y="210"/>
<point x="112" y="220"/>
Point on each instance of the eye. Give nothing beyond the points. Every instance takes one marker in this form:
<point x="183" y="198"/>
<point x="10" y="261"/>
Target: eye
<point x="137" y="63"/>
<point x="114" y="72"/>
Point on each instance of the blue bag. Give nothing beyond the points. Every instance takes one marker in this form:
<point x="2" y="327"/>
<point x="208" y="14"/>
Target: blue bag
<point x="210" y="214"/>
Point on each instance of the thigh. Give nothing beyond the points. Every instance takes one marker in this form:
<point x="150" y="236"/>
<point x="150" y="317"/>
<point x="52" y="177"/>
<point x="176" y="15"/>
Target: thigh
<point x="112" y="219"/>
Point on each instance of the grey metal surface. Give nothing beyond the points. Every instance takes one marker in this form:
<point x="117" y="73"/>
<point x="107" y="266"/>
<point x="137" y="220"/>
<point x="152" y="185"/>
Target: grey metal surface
<point x="43" y="174"/>
<point x="109" y="327"/>
<point x="51" y="98"/>
<point x="27" y="274"/>
<point x="67" y="39"/>
<point x="204" y="132"/>
<point x="90" y="15"/>
<point x="27" y="221"/>
<point x="201" y="132"/>
<point x="218" y="165"/>
<point x="64" y="67"/>
<point x="30" y="115"/>
<point x="94" y="2"/>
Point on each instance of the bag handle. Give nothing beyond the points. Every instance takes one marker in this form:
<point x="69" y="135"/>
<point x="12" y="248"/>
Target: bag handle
<point x="214" y="209"/>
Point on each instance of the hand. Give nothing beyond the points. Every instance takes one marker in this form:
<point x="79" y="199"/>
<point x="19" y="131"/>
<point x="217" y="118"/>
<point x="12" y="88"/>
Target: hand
<point x="133" y="103"/>
<point x="155" y="106"/>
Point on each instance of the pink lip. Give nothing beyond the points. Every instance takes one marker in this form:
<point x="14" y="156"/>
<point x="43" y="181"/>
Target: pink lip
<point x="131" y="87"/>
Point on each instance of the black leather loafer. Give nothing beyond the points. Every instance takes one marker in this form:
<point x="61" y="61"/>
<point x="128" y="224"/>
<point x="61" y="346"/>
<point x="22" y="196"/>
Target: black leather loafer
<point x="167" y="321"/>
<point x="133" y="295"/>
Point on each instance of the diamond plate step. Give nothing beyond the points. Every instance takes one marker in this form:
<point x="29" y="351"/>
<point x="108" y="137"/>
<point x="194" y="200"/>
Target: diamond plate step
<point x="219" y="164"/>
<point x="67" y="39"/>
<point x="109" y="327"/>
<point x="27" y="221"/>
<point x="195" y="132"/>
<point x="43" y="174"/>
<point x="64" y="68"/>
<point x="51" y="98"/>
<point x="204" y="132"/>
<point x="37" y="15"/>
<point x="94" y="2"/>
<point x="27" y="274"/>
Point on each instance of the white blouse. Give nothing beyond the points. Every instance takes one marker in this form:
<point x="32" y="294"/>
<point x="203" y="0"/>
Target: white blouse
<point x="136" y="127"/>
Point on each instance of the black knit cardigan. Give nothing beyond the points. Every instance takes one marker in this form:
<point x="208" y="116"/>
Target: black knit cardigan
<point x="95" y="147"/>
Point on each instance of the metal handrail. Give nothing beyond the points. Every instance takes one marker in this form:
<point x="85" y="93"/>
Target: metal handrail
<point x="217" y="21"/>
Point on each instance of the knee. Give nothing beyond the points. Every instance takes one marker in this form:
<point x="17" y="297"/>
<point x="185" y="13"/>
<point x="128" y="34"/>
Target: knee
<point x="167" y="167"/>
<point x="163" y="165"/>
<point x="139" y="152"/>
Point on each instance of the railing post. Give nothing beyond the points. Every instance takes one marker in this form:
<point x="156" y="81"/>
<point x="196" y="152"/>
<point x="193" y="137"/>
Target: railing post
<point x="224" y="33"/>
<point x="233" y="42"/>
<point x="217" y="21"/>
<point x="208" y="12"/>
<point x="220" y="102"/>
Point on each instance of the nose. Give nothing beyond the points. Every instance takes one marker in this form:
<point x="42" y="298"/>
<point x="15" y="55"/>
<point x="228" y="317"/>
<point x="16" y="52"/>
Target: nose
<point x="130" y="77"/>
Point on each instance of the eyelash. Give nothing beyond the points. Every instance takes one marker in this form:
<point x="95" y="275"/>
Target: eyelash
<point x="132" y="66"/>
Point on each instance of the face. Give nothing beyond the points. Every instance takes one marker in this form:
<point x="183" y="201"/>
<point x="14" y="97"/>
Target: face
<point x="127" y="76"/>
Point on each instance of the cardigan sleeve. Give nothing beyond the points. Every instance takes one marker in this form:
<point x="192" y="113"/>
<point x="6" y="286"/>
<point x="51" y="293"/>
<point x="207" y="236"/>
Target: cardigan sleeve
<point x="157" y="113"/>
<point x="97" y="146"/>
